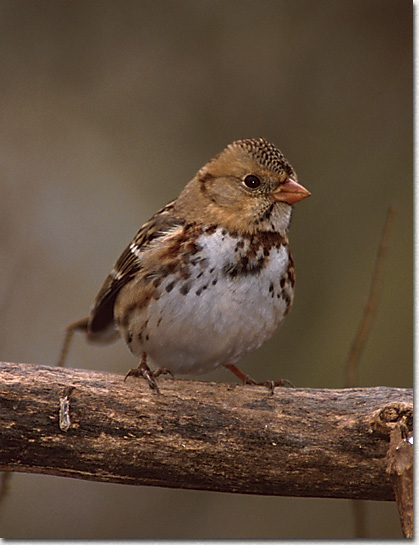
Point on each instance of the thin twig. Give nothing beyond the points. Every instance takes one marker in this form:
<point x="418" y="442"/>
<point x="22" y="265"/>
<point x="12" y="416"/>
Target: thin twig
<point x="359" y="519"/>
<point x="4" y="484"/>
<point x="358" y="506"/>
<point x="361" y="336"/>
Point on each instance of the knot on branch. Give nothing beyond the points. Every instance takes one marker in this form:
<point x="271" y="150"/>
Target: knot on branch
<point x="394" y="416"/>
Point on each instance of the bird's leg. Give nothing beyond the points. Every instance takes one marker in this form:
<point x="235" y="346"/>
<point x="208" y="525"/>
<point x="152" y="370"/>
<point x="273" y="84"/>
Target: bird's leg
<point x="144" y="371"/>
<point x="271" y="384"/>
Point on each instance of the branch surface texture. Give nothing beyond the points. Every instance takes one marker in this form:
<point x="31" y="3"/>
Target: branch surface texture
<point x="199" y="435"/>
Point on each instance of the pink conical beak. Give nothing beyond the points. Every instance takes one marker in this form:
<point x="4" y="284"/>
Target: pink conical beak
<point x="290" y="192"/>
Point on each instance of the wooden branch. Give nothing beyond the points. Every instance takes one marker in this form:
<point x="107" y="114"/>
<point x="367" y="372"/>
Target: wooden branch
<point x="199" y="435"/>
<point x="400" y="468"/>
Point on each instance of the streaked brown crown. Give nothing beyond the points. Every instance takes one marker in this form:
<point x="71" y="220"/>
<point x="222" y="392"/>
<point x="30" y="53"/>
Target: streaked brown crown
<point x="266" y="154"/>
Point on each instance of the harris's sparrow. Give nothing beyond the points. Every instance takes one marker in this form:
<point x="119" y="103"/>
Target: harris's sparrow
<point x="210" y="277"/>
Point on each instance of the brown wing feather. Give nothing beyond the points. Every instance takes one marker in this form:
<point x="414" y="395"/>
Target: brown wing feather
<point x="101" y="324"/>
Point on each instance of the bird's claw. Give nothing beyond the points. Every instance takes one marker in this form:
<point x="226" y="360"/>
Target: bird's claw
<point x="270" y="384"/>
<point x="144" y="371"/>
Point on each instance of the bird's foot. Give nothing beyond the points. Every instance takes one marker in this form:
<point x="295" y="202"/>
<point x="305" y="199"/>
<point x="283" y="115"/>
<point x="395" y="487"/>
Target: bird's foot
<point x="270" y="384"/>
<point x="144" y="371"/>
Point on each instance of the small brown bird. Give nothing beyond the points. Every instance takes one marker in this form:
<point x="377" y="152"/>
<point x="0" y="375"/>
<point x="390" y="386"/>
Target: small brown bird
<point x="210" y="277"/>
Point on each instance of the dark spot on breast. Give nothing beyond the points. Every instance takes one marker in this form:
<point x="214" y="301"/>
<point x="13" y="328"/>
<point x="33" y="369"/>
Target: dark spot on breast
<point x="245" y="266"/>
<point x="214" y="281"/>
<point x="285" y="297"/>
<point x="128" y="337"/>
<point x="170" y="286"/>
<point x="184" y="289"/>
<point x="282" y="282"/>
<point x="211" y="229"/>
<point x="184" y="272"/>
<point x="201" y="289"/>
<point x="232" y="272"/>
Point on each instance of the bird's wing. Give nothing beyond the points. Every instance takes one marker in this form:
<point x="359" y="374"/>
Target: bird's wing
<point x="101" y="323"/>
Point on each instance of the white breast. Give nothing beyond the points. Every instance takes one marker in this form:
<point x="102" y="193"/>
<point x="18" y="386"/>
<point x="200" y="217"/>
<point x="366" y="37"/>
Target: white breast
<point x="213" y="317"/>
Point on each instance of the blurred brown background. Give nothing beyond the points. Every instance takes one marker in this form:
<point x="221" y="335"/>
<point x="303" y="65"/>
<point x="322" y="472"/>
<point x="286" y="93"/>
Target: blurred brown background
<point x="107" y="110"/>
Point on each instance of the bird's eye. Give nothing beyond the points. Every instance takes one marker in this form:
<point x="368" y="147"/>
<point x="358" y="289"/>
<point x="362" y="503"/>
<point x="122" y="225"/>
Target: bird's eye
<point x="252" y="181"/>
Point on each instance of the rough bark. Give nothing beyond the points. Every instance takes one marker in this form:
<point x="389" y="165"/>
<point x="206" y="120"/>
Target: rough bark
<point x="199" y="435"/>
<point x="400" y="468"/>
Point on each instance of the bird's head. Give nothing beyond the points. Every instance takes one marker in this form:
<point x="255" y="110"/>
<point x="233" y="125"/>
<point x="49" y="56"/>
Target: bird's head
<point x="249" y="186"/>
